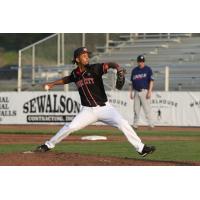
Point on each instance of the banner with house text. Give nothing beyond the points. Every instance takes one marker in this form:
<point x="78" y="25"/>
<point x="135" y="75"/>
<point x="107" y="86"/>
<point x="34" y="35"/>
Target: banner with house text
<point x="168" y="108"/>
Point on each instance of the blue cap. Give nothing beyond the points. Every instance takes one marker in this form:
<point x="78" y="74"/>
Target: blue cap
<point x="140" y="58"/>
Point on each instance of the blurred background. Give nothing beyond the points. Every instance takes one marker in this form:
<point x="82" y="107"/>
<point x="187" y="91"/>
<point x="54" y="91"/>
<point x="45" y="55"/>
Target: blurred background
<point x="27" y="60"/>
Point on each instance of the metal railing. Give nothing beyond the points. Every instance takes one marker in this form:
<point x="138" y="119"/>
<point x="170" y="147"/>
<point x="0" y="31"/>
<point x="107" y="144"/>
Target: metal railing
<point x="57" y="50"/>
<point x="43" y="59"/>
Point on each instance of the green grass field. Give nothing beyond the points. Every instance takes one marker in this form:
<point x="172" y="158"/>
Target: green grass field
<point x="166" y="150"/>
<point x="104" y="132"/>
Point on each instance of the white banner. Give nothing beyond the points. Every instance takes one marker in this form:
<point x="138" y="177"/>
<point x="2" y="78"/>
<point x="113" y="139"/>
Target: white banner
<point x="168" y="108"/>
<point x="50" y="107"/>
<point x="175" y="108"/>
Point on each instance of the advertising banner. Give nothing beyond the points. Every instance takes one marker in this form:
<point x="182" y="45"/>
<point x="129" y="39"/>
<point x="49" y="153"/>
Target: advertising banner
<point x="175" y="108"/>
<point x="50" y="107"/>
<point x="168" y="108"/>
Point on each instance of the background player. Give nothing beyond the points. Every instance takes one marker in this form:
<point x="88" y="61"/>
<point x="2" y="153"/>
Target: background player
<point x="95" y="107"/>
<point x="142" y="85"/>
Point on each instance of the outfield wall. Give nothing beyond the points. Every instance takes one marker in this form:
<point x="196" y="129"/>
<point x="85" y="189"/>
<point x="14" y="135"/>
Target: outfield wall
<point x="168" y="108"/>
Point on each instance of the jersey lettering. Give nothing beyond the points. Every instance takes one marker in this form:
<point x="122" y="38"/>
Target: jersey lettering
<point x="90" y="84"/>
<point x="86" y="81"/>
<point x="139" y="76"/>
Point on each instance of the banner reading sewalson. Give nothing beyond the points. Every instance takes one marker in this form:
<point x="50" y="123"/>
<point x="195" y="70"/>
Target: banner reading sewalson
<point x="168" y="108"/>
<point x="49" y="107"/>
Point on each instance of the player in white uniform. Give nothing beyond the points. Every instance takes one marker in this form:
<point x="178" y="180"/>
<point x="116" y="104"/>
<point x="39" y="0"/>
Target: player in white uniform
<point x="95" y="107"/>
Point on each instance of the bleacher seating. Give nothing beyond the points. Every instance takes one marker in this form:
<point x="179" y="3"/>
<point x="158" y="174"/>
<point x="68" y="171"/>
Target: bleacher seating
<point x="180" y="52"/>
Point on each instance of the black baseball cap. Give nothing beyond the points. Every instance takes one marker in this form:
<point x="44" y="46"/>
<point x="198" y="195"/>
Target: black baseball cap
<point x="141" y="58"/>
<point x="78" y="52"/>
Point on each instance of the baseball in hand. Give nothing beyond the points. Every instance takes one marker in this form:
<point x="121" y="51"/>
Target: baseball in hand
<point x="46" y="87"/>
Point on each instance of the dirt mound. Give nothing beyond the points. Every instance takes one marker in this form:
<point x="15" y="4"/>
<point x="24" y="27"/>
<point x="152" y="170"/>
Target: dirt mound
<point x="73" y="159"/>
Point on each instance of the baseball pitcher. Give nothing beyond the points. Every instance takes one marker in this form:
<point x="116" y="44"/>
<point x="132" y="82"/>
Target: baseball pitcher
<point x="95" y="105"/>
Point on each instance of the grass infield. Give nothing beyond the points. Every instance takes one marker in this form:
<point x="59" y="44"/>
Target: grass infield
<point x="104" y="132"/>
<point x="166" y="150"/>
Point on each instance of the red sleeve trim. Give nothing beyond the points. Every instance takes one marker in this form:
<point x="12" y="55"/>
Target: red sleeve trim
<point x="105" y="68"/>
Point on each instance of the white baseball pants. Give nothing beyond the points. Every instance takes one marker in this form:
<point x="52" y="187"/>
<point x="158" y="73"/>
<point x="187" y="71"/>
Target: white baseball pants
<point x="140" y="100"/>
<point x="88" y="115"/>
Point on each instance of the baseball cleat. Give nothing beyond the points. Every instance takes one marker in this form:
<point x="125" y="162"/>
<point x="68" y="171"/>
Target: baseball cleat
<point x="147" y="150"/>
<point x="42" y="148"/>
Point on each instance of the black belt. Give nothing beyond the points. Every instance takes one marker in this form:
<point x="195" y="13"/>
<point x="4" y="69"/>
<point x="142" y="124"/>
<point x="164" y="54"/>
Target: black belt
<point x="102" y="104"/>
<point x="140" y="90"/>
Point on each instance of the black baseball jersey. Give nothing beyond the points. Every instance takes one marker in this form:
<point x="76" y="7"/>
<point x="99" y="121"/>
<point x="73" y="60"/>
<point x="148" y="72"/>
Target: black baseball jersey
<point x="90" y="84"/>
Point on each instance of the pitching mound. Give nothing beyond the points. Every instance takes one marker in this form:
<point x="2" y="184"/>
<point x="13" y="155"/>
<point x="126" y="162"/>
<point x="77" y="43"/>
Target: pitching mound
<point x="73" y="159"/>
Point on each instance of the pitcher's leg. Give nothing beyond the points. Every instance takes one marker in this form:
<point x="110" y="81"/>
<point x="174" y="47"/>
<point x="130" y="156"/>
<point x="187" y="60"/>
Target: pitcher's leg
<point x="131" y="135"/>
<point x="84" y="118"/>
<point x="112" y="117"/>
<point x="137" y="108"/>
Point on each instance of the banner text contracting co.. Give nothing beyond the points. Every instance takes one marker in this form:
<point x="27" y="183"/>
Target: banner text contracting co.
<point x="168" y="108"/>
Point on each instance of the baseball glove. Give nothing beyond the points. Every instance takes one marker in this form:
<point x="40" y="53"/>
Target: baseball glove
<point x="120" y="79"/>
